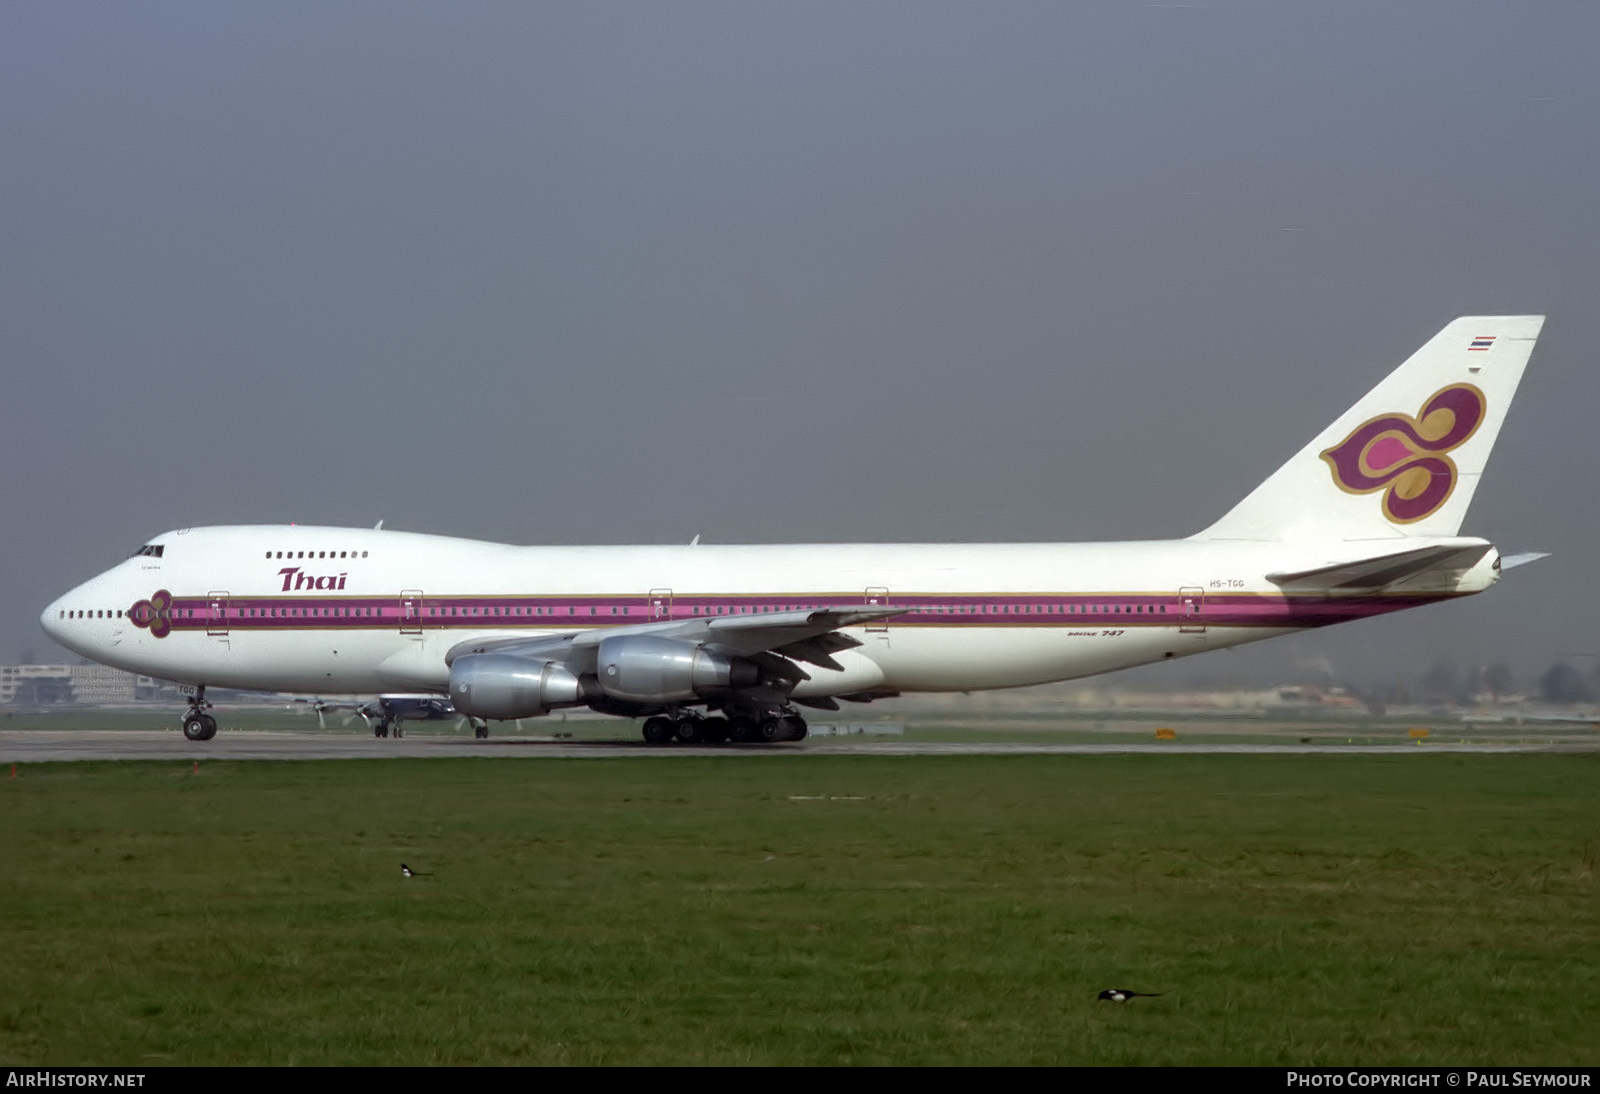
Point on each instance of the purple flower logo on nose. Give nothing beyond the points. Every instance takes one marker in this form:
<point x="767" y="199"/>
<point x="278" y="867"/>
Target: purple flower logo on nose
<point x="1408" y="458"/>
<point x="155" y="613"/>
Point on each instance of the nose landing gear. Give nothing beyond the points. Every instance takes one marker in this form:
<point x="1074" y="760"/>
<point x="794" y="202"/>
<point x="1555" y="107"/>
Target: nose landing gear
<point x="197" y="724"/>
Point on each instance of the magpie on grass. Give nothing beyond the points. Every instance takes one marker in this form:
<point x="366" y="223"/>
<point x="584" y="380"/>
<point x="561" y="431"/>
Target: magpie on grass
<point x="1122" y="995"/>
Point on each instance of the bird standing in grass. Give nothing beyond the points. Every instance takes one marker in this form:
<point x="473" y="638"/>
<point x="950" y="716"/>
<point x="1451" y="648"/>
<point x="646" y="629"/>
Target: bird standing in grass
<point x="1122" y="995"/>
<point x="406" y="871"/>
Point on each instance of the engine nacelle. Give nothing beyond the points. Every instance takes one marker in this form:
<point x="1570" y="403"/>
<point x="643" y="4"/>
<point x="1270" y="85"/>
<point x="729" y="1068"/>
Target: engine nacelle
<point x="504" y="686"/>
<point x="647" y="669"/>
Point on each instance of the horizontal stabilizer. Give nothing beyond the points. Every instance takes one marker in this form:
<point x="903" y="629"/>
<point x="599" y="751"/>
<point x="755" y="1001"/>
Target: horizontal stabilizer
<point x="1376" y="571"/>
<point x="1511" y="562"/>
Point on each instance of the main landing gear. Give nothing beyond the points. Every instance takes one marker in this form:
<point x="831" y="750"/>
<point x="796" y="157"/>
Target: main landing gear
<point x="197" y="724"/>
<point x="694" y="729"/>
<point x="384" y="718"/>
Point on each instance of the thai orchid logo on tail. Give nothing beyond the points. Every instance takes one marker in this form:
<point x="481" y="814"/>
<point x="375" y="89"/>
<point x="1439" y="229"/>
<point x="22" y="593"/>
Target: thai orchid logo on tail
<point x="1408" y="458"/>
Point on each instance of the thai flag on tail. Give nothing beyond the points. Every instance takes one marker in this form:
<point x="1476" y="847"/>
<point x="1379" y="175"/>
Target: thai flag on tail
<point x="1482" y="342"/>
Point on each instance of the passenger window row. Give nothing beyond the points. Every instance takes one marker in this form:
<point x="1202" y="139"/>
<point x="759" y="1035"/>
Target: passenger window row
<point x="316" y="554"/>
<point x="626" y="610"/>
<point x="299" y="613"/>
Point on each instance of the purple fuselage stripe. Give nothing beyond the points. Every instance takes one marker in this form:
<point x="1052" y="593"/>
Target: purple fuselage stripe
<point x="922" y="610"/>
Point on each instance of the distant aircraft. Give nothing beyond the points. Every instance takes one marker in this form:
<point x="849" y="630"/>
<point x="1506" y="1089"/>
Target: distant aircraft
<point x="727" y="642"/>
<point x="1520" y="718"/>
<point x="386" y="714"/>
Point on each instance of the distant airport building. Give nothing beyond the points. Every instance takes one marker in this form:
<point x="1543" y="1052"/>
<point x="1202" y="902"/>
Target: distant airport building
<point x="38" y="685"/>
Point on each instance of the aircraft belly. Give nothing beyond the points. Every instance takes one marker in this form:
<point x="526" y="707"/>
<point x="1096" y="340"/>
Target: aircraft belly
<point x="936" y="659"/>
<point x="320" y="664"/>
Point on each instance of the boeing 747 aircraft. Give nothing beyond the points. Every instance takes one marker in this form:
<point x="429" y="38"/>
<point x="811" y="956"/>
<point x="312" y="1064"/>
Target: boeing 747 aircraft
<point x="709" y="643"/>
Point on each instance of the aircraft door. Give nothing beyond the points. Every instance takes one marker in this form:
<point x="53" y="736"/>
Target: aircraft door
<point x="878" y="597"/>
<point x="217" y="613"/>
<point x="1191" y="610"/>
<point x="660" y="605"/>
<point x="411" y="611"/>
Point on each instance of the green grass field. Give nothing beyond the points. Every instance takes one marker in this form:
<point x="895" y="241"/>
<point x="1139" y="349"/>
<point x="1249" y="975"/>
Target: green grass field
<point x="1326" y="909"/>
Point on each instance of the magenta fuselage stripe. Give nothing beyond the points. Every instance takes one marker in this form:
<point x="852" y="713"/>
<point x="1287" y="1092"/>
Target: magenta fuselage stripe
<point x="923" y="610"/>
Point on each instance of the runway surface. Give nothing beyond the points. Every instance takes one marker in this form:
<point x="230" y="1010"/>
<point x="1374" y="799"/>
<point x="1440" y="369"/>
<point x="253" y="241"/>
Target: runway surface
<point x="37" y="746"/>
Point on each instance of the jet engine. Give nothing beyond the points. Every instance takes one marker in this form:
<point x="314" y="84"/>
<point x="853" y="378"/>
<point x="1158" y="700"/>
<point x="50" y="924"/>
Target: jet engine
<point x="504" y="686"/>
<point x="646" y="669"/>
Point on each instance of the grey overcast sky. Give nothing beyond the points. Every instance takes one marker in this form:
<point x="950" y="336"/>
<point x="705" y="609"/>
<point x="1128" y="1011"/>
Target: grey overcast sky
<point x="628" y="272"/>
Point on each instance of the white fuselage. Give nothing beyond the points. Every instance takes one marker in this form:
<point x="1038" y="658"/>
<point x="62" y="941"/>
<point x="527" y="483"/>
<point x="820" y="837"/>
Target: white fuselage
<point x="338" y="610"/>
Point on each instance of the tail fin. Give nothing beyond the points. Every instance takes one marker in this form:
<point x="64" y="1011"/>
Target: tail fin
<point x="1405" y="460"/>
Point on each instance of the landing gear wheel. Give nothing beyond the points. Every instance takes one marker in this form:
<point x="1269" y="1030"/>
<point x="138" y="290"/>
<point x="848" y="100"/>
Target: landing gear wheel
<point x="481" y="732"/>
<point x="741" y="730"/>
<point x="774" y="729"/>
<point x="197" y="724"/>
<point x="399" y="731"/>
<point x="380" y="729"/>
<point x="796" y="727"/>
<point x="714" y="730"/>
<point x="692" y="731"/>
<point x="658" y="730"/>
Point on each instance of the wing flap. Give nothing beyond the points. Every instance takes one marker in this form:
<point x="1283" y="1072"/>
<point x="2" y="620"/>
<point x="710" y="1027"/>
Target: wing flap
<point x="819" y="650"/>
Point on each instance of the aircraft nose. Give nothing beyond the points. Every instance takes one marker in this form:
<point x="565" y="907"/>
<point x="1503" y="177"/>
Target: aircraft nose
<point x="50" y="619"/>
<point x="57" y="618"/>
<point x="55" y="615"/>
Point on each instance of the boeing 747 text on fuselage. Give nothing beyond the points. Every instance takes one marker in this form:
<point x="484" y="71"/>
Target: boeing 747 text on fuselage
<point x="709" y="643"/>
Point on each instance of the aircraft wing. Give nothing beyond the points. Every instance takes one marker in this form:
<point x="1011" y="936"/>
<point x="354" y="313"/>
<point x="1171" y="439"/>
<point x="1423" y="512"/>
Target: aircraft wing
<point x="809" y="635"/>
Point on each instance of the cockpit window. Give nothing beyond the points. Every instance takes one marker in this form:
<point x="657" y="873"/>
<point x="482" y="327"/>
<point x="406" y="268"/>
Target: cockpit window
<point x="152" y="550"/>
